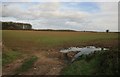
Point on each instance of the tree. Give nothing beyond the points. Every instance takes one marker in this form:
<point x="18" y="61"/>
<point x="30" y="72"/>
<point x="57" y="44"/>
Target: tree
<point x="15" y="26"/>
<point x="107" y="31"/>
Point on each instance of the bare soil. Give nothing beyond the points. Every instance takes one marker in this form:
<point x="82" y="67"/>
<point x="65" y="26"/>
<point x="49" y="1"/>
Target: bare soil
<point x="48" y="63"/>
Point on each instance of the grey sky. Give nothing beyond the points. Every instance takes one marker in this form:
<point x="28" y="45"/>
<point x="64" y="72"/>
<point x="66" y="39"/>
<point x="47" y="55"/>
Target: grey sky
<point x="91" y="16"/>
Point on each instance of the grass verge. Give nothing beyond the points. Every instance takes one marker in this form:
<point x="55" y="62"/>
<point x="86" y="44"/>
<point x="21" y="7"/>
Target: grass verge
<point x="100" y="63"/>
<point x="10" y="56"/>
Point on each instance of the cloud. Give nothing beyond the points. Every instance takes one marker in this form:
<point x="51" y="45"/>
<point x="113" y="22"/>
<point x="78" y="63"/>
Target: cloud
<point x="16" y="0"/>
<point x="12" y="10"/>
<point x="71" y="23"/>
<point x="50" y="15"/>
<point x="33" y="11"/>
<point x="107" y="18"/>
<point x="59" y="0"/>
<point x="46" y="10"/>
<point x="0" y="9"/>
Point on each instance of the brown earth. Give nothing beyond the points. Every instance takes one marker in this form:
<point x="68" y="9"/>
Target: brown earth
<point x="48" y="63"/>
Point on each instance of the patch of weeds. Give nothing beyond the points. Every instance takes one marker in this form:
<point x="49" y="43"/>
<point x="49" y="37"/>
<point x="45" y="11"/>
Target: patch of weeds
<point x="8" y="57"/>
<point x="79" y="68"/>
<point x="100" y="63"/>
<point x="27" y="64"/>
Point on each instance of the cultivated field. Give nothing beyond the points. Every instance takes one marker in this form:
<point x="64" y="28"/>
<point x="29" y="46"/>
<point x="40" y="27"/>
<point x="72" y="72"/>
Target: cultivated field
<point x="37" y="52"/>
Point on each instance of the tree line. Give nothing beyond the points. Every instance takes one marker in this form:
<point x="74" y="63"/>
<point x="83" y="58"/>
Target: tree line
<point x="16" y="26"/>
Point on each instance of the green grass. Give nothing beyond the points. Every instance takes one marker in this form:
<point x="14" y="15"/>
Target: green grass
<point x="0" y="35"/>
<point x="101" y="63"/>
<point x="27" y="64"/>
<point x="52" y="39"/>
<point x="10" y="56"/>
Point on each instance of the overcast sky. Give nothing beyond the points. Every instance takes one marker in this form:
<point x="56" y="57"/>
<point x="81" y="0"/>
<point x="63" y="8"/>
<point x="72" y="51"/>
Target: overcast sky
<point x="88" y="16"/>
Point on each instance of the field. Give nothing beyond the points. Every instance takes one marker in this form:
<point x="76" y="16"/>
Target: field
<point x="27" y="52"/>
